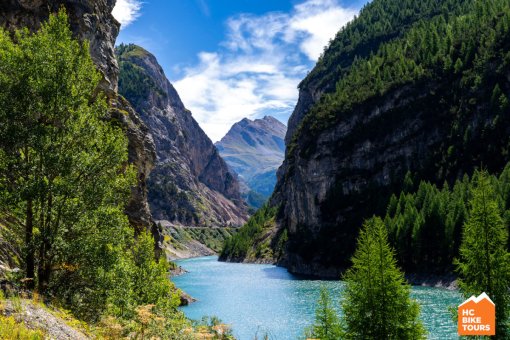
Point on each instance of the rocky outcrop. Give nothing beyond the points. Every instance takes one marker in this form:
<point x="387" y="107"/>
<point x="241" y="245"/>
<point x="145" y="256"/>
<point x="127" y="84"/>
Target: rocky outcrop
<point x="255" y="149"/>
<point x="92" y="21"/>
<point x="191" y="184"/>
<point x="142" y="154"/>
<point x="52" y="322"/>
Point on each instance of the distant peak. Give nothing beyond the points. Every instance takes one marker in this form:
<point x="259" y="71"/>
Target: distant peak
<point x="270" y="119"/>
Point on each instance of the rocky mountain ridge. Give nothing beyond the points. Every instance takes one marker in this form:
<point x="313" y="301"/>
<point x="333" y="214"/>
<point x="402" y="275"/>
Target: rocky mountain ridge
<point x="191" y="184"/>
<point x="255" y="149"/>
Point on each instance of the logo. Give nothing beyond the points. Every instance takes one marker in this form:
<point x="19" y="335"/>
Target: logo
<point x="477" y="316"/>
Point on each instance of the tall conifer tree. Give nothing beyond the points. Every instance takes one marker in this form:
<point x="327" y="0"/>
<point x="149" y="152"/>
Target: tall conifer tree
<point x="484" y="264"/>
<point x="377" y="301"/>
<point x="327" y="324"/>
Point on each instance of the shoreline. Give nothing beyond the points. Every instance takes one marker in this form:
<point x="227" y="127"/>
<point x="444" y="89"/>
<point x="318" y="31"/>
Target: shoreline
<point x="445" y="281"/>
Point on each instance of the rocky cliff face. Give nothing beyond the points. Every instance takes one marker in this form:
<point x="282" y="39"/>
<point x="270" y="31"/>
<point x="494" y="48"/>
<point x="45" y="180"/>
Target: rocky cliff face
<point x="255" y="149"/>
<point x="191" y="184"/>
<point x="338" y="173"/>
<point x="92" y="21"/>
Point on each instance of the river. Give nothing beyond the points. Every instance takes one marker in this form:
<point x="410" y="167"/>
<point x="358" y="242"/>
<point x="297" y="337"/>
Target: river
<point x="257" y="299"/>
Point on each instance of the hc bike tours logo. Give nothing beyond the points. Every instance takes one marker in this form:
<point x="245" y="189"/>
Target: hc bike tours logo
<point x="477" y="316"/>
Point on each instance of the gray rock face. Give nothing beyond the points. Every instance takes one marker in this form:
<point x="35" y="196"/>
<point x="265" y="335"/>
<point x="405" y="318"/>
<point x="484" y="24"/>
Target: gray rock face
<point x="347" y="176"/>
<point x="191" y="184"/>
<point x="91" y="20"/>
<point x="255" y="149"/>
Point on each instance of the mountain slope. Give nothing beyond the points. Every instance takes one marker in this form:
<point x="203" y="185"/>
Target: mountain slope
<point x="255" y="149"/>
<point x="191" y="185"/>
<point x="408" y="86"/>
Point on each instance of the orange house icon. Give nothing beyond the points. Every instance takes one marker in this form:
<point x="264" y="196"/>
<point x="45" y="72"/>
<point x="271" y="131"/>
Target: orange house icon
<point x="477" y="316"/>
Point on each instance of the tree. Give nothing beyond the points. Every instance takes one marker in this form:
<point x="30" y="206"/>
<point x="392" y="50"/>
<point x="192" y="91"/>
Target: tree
<point x="484" y="264"/>
<point x="377" y="301"/>
<point x="63" y="165"/>
<point x="327" y="324"/>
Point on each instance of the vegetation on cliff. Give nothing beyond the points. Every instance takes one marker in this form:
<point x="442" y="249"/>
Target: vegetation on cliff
<point x="418" y="86"/>
<point x="459" y="43"/>
<point x="255" y="240"/>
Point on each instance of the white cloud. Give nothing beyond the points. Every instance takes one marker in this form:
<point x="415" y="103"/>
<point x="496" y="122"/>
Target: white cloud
<point x="257" y="68"/>
<point x="127" y="11"/>
<point x="320" y="20"/>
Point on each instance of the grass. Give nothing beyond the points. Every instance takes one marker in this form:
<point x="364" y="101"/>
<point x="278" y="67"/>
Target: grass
<point x="11" y="329"/>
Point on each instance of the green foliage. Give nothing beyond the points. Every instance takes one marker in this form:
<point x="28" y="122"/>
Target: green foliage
<point x="377" y="301"/>
<point x="134" y="83"/>
<point x="240" y="245"/>
<point x="425" y="226"/>
<point x="254" y="200"/>
<point x="393" y="43"/>
<point x="63" y="166"/>
<point x="11" y="329"/>
<point x="150" y="281"/>
<point x="484" y="264"/>
<point x="327" y="324"/>
<point x="210" y="327"/>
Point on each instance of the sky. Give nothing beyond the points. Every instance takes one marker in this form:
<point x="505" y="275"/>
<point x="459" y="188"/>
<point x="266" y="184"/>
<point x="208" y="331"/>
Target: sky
<point x="234" y="59"/>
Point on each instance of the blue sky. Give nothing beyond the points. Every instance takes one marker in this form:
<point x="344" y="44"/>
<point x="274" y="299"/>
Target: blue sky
<point x="231" y="59"/>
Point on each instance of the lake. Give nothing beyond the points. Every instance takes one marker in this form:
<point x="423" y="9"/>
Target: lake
<point x="257" y="299"/>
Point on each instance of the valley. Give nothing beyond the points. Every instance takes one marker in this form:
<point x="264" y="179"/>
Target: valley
<point x="253" y="170"/>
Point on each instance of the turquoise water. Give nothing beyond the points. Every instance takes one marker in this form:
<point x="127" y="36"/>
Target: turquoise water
<point x="259" y="299"/>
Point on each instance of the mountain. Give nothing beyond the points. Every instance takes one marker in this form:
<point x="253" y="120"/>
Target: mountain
<point x="408" y="87"/>
<point x="92" y="21"/>
<point x="255" y="149"/>
<point x="191" y="184"/>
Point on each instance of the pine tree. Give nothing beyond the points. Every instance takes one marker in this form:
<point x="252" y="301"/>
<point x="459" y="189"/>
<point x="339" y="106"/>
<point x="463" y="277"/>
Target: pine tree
<point x="484" y="264"/>
<point x="377" y="301"/>
<point x="327" y="323"/>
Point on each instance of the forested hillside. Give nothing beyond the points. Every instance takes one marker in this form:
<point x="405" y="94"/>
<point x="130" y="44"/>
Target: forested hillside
<point x="408" y="86"/>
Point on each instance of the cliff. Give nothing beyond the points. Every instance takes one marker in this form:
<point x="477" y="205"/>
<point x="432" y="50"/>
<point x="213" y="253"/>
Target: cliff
<point x="255" y="149"/>
<point x="191" y="184"/>
<point x="92" y="21"/>
<point x="408" y="86"/>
